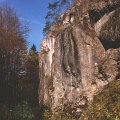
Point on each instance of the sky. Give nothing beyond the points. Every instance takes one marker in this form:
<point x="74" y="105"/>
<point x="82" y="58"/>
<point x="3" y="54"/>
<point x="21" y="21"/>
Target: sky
<point x="33" y="13"/>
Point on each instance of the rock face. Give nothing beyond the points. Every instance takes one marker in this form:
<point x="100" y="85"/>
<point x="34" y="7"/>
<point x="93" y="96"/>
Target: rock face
<point x="81" y="56"/>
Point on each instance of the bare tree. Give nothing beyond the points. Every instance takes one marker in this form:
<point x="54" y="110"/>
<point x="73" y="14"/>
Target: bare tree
<point x="12" y="42"/>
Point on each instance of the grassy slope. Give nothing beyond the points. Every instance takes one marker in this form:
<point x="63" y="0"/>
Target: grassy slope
<point x="106" y="105"/>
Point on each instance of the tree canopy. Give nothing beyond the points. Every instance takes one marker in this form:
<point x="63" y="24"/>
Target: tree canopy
<point x="19" y="73"/>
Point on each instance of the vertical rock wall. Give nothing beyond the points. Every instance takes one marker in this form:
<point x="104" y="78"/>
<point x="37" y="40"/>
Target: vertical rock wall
<point x="75" y="63"/>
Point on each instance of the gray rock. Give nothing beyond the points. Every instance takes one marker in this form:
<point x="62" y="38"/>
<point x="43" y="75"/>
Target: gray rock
<point x="75" y="64"/>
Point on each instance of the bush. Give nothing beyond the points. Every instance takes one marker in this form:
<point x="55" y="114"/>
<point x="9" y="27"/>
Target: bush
<point x="23" y="112"/>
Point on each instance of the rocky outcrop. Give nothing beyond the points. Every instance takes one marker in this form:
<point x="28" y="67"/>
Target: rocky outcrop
<point x="81" y="56"/>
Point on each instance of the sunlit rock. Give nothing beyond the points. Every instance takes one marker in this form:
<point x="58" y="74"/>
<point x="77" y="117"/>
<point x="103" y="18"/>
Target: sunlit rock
<point x="75" y="64"/>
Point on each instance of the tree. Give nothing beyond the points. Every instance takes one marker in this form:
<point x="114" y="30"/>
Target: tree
<point x="53" y="15"/>
<point x="12" y="42"/>
<point x="66" y="3"/>
<point x="47" y="27"/>
<point x="32" y="74"/>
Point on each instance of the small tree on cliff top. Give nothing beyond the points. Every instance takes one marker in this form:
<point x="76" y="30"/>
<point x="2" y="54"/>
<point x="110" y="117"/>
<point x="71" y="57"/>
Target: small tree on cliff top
<point x="53" y="15"/>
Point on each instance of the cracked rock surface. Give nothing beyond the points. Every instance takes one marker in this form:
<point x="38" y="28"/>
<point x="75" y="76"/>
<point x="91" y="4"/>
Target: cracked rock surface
<point x="83" y="57"/>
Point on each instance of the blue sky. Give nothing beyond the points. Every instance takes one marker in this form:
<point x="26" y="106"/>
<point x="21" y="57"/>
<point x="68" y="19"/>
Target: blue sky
<point x="33" y="12"/>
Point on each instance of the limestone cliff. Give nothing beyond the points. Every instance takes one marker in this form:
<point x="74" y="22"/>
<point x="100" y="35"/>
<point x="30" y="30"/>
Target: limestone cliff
<point x="80" y="55"/>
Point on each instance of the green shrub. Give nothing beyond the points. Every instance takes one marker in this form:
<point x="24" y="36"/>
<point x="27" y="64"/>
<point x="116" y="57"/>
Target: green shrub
<point x="47" y="113"/>
<point x="23" y="112"/>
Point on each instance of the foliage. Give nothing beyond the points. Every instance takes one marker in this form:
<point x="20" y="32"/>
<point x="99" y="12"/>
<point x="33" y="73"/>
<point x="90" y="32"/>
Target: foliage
<point x="105" y="105"/>
<point x="52" y="16"/>
<point x="5" y="113"/>
<point x="55" y="9"/>
<point x="64" y="117"/>
<point x="47" y="27"/>
<point x="12" y="42"/>
<point x="29" y="80"/>
<point x="23" y="112"/>
<point x="18" y="68"/>
<point x="47" y="114"/>
<point x="32" y="76"/>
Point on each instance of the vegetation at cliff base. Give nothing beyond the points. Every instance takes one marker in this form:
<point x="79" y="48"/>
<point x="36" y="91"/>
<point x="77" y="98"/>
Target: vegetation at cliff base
<point x="106" y="105"/>
<point x="23" y="112"/>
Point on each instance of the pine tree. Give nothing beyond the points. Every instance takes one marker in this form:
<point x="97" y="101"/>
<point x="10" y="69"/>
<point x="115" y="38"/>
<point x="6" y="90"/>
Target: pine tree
<point x="55" y="9"/>
<point x="32" y="74"/>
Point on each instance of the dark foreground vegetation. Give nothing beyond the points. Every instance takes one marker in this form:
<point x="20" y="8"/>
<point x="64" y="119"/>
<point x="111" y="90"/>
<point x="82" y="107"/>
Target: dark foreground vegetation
<point x="18" y="69"/>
